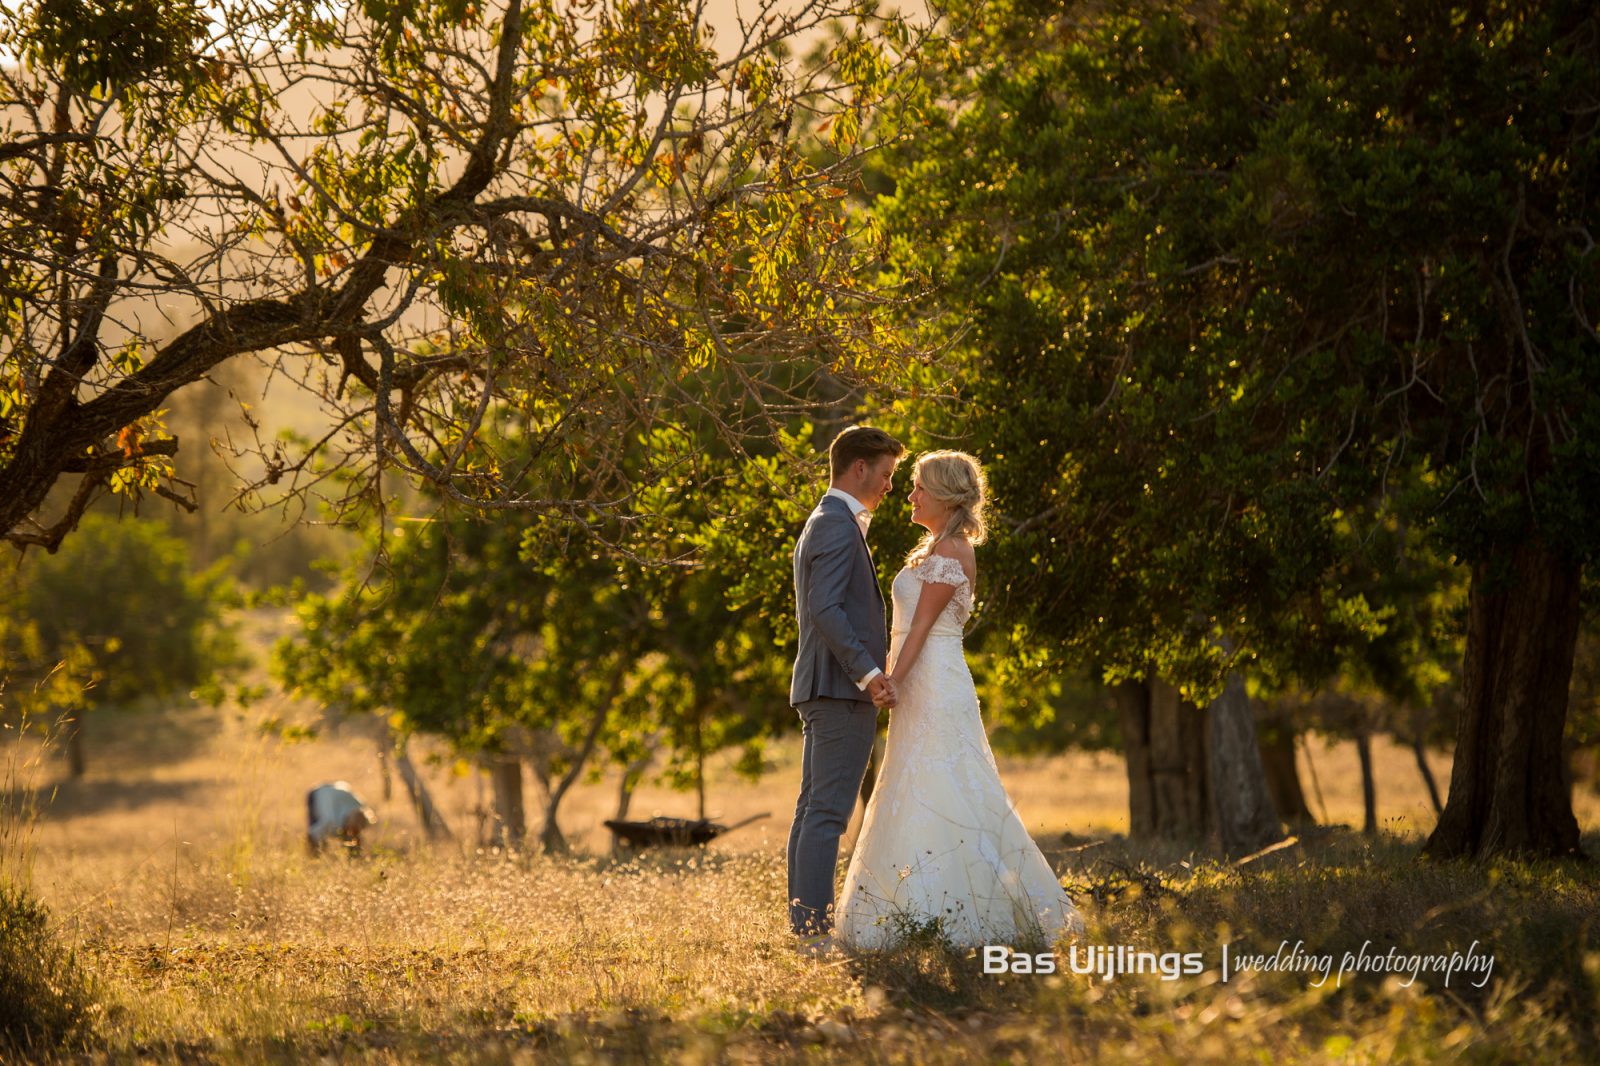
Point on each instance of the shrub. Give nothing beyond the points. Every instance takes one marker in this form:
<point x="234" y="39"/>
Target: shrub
<point x="47" y="1000"/>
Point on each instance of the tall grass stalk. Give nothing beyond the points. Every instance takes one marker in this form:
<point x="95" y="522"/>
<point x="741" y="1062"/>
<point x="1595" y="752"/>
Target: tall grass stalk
<point x="19" y="799"/>
<point x="46" y="999"/>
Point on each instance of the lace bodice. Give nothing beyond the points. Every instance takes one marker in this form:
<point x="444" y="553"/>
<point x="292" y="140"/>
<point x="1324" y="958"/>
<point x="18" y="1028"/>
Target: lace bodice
<point x="908" y="585"/>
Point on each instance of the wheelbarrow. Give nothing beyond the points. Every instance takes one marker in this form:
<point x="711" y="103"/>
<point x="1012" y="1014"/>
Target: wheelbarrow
<point x="672" y="832"/>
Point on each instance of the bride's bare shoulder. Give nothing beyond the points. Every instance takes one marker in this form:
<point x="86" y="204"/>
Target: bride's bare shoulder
<point x="961" y="550"/>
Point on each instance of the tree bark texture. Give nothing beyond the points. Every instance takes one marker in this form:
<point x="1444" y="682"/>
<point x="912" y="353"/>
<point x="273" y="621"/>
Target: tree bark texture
<point x="1506" y="790"/>
<point x="1245" y="818"/>
<point x="433" y="823"/>
<point x="1369" y="785"/>
<point x="1277" y="743"/>
<point x="510" y="819"/>
<point x="1421" y="753"/>
<point x="1168" y="764"/>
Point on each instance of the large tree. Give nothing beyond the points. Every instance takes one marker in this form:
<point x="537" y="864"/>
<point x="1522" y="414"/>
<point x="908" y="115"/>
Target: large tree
<point x="1233" y="286"/>
<point x="427" y="213"/>
<point x="522" y="644"/>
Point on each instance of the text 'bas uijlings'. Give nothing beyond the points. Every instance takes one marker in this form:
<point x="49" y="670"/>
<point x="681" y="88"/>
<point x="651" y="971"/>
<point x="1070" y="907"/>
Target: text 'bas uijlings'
<point x="1107" y="961"/>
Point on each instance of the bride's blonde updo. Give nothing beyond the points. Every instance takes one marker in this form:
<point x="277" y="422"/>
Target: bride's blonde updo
<point x="956" y="480"/>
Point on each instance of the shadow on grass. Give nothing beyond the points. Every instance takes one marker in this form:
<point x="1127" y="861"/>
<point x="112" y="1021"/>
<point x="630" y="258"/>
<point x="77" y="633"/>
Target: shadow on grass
<point x="90" y="795"/>
<point x="126" y="740"/>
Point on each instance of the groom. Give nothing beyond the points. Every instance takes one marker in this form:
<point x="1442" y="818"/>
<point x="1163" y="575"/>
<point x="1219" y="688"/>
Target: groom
<point x="839" y="681"/>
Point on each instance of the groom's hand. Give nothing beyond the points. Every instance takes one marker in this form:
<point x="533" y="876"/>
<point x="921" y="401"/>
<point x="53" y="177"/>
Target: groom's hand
<point x="882" y="691"/>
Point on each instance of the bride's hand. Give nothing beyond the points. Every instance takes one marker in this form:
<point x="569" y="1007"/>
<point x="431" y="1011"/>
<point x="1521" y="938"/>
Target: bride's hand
<point x="884" y="695"/>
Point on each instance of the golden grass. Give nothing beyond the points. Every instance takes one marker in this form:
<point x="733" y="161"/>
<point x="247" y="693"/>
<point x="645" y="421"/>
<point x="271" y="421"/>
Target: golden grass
<point x="683" y="957"/>
<point x="177" y="869"/>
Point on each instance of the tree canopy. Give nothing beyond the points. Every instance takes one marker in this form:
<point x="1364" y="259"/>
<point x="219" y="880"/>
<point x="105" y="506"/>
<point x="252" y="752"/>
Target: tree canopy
<point x="515" y="635"/>
<point x="432" y="216"/>
<point x="1236" y="289"/>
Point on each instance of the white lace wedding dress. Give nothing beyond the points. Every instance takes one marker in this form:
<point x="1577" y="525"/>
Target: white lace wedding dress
<point x="941" y="839"/>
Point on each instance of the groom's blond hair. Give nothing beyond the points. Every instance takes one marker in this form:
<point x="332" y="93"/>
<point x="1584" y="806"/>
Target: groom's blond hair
<point x="861" y="442"/>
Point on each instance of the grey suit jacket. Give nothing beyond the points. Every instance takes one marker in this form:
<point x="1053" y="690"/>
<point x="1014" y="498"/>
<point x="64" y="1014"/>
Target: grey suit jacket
<point x="843" y="623"/>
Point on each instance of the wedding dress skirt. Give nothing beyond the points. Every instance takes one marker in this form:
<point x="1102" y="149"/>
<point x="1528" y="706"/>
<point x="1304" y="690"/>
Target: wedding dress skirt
<point x="941" y="842"/>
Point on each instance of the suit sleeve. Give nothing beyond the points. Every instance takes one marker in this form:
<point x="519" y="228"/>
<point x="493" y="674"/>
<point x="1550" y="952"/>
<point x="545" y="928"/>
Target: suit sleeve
<point x="827" y="582"/>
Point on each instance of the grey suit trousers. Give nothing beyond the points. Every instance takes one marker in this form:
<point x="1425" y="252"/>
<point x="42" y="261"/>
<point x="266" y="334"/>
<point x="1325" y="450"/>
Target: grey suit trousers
<point x="838" y="737"/>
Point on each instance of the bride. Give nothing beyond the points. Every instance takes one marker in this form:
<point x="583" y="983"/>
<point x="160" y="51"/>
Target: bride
<point x="941" y="845"/>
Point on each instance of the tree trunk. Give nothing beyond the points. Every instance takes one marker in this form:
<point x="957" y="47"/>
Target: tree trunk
<point x="551" y="838"/>
<point x="1245" y="818"/>
<point x="390" y="752"/>
<point x="1133" y="702"/>
<point x="1277" y="742"/>
<point x="1168" y="772"/>
<point x="1369" y="787"/>
<point x="510" y="826"/>
<point x="1316" y="784"/>
<point x="433" y="823"/>
<point x="699" y="771"/>
<point x="76" y="764"/>
<point x="1506" y="793"/>
<point x="384" y="774"/>
<point x="480" y="809"/>
<point x="631" y="776"/>
<point x="1427" y="776"/>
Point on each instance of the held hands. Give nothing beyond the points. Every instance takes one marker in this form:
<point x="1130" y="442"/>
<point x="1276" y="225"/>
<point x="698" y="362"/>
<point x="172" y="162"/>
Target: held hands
<point x="882" y="691"/>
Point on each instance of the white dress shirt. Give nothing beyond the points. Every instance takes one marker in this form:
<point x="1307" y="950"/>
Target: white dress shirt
<point x="863" y="519"/>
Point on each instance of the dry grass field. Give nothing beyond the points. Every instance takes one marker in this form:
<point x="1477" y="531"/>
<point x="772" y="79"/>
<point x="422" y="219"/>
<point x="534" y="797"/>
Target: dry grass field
<point x="176" y="869"/>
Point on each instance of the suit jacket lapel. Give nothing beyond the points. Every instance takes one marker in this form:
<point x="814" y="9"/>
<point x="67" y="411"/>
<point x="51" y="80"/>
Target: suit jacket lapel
<point x="877" y="588"/>
<point x="872" y="564"/>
